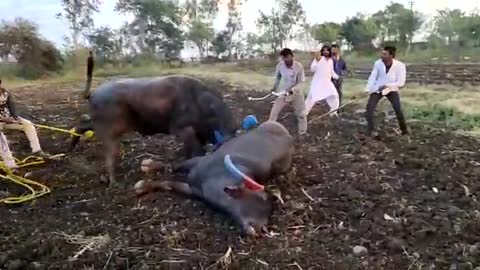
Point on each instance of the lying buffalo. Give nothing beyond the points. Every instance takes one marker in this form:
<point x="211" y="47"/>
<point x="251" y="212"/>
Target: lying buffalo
<point x="176" y="104"/>
<point x="226" y="179"/>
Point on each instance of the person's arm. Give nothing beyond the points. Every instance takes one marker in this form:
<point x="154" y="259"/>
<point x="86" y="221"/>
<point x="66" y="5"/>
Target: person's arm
<point x="401" y="77"/>
<point x="11" y="106"/>
<point x="278" y="77"/>
<point x="313" y="65"/>
<point x="344" y="69"/>
<point x="332" y="70"/>
<point x="371" y="84"/>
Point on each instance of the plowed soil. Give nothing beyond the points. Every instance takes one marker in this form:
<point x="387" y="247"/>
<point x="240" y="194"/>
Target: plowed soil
<point x="350" y="203"/>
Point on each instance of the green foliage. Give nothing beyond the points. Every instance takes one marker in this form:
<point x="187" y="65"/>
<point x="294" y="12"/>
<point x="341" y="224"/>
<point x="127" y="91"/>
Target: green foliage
<point x="360" y="31"/>
<point x="201" y="34"/>
<point x="445" y="115"/>
<point x="36" y="56"/>
<point x="397" y="24"/>
<point x="106" y="44"/>
<point x="456" y="28"/>
<point x="234" y="26"/>
<point x="79" y="15"/>
<point x="200" y="16"/>
<point x="220" y="43"/>
<point x="155" y="27"/>
<point x="326" y="32"/>
<point x="275" y="28"/>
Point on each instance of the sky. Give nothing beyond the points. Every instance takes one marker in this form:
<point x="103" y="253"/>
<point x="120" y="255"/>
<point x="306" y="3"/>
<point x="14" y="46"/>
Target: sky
<point x="43" y="12"/>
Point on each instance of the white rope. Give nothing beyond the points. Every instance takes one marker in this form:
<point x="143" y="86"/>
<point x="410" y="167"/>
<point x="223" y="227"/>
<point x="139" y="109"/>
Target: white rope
<point x="268" y="95"/>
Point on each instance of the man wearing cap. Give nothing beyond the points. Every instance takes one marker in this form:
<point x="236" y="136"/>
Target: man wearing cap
<point x="292" y="74"/>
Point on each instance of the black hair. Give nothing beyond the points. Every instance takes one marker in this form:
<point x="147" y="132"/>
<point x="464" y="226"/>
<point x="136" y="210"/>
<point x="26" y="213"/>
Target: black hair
<point x="334" y="46"/>
<point x="328" y="48"/>
<point x="286" y="52"/>
<point x="392" y="50"/>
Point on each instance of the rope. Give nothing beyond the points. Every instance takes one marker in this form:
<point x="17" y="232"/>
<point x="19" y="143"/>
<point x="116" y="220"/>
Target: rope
<point x="343" y="105"/>
<point x="71" y="132"/>
<point x="28" y="184"/>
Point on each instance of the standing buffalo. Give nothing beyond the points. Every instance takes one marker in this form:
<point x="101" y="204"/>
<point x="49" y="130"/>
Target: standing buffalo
<point x="178" y="105"/>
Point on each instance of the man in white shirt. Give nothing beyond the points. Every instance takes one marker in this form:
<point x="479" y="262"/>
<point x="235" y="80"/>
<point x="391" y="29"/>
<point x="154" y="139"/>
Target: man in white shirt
<point x="387" y="77"/>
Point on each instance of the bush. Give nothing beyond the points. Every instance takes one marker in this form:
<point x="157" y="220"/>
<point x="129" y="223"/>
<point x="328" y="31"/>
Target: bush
<point x="35" y="55"/>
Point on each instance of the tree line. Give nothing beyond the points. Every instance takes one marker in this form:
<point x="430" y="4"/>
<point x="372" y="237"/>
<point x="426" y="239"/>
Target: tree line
<point x="161" y="28"/>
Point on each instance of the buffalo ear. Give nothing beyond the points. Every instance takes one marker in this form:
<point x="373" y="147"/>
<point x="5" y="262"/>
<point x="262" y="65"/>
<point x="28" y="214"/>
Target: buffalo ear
<point x="235" y="192"/>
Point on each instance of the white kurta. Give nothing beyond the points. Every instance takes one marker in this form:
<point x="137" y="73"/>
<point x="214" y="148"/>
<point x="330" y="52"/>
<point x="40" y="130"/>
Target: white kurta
<point x="322" y="86"/>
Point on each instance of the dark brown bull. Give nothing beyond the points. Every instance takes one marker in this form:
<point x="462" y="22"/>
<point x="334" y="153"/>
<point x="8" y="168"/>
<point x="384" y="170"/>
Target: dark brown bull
<point x="178" y="105"/>
<point x="227" y="178"/>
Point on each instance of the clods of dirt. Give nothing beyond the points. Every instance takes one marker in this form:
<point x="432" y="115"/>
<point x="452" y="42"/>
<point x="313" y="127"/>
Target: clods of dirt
<point x="350" y="202"/>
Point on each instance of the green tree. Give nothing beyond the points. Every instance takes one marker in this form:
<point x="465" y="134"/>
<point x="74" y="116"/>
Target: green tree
<point x="35" y="55"/>
<point x="457" y="28"/>
<point x="234" y="26"/>
<point x="156" y="26"/>
<point x="326" y="32"/>
<point x="220" y="43"/>
<point x="79" y="15"/>
<point x="360" y="31"/>
<point x="281" y="24"/>
<point x="200" y="15"/>
<point x="105" y="41"/>
<point x="201" y="34"/>
<point x="397" y="24"/>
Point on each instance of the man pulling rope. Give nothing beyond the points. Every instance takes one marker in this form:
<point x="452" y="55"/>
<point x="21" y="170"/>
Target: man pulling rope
<point x="10" y="120"/>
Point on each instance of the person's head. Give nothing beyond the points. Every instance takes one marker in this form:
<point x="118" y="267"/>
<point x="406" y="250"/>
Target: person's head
<point x="388" y="53"/>
<point x="326" y="51"/>
<point x="335" y="50"/>
<point x="90" y="53"/>
<point x="287" y="56"/>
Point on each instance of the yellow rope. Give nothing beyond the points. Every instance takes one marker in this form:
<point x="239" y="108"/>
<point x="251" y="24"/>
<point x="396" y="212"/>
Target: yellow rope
<point x="27" y="183"/>
<point x="71" y="132"/>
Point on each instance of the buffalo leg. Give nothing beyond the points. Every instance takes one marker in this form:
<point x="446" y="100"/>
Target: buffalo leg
<point x="148" y="186"/>
<point x="186" y="165"/>
<point x="111" y="159"/>
<point x="191" y="144"/>
<point x="111" y="145"/>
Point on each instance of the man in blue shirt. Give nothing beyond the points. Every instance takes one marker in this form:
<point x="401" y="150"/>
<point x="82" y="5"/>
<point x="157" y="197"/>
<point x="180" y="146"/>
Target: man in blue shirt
<point x="340" y="67"/>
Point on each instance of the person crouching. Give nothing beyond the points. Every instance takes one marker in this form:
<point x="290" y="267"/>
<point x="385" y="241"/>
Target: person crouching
<point x="10" y="120"/>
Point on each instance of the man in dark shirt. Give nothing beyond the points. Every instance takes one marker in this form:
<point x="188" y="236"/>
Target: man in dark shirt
<point x="10" y="120"/>
<point x="340" y="67"/>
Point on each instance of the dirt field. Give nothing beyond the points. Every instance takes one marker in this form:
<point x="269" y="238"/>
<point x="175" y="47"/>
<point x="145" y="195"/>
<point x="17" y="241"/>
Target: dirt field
<point x="342" y="193"/>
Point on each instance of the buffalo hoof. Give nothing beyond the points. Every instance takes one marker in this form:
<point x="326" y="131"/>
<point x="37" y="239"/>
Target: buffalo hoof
<point x="149" y="166"/>
<point x="250" y="232"/>
<point x="142" y="187"/>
